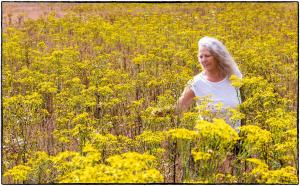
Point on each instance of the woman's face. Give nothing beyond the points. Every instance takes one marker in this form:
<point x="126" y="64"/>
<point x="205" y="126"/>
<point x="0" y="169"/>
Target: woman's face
<point x="207" y="60"/>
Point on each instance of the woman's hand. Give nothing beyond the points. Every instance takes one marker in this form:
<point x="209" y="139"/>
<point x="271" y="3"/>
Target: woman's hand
<point x="185" y="100"/>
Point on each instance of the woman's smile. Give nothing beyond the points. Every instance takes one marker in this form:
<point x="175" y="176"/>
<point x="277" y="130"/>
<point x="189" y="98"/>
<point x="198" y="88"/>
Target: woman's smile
<point x="206" y="59"/>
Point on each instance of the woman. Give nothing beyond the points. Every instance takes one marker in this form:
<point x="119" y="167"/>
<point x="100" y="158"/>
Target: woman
<point x="218" y="66"/>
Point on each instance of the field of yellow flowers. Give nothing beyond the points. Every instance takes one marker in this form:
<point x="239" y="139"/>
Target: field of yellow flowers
<point x="87" y="97"/>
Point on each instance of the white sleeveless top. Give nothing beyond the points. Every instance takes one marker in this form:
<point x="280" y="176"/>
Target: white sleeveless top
<point x="221" y="91"/>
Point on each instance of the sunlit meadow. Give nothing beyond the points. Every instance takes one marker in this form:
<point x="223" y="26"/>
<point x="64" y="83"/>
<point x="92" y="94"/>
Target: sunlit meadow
<point x="88" y="96"/>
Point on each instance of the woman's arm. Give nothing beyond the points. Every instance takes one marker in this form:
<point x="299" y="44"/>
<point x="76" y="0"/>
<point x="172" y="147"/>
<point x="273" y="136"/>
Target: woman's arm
<point x="185" y="100"/>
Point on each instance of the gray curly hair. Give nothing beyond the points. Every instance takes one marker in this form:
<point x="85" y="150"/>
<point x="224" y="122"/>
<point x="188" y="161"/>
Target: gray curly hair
<point x="219" y="51"/>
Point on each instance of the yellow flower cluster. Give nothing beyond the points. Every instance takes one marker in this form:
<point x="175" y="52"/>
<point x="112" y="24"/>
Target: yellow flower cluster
<point x="83" y="93"/>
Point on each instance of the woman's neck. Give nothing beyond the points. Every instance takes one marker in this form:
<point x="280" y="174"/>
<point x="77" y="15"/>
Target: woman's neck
<point x="214" y="76"/>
